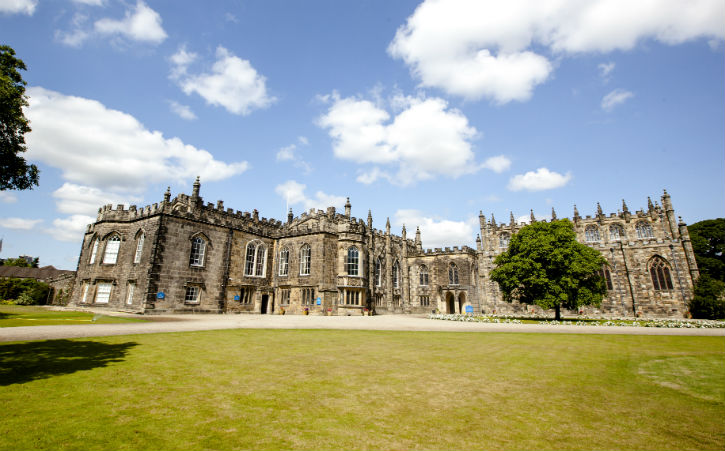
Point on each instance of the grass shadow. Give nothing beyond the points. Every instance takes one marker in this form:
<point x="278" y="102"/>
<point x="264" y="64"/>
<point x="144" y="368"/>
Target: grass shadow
<point x="26" y="362"/>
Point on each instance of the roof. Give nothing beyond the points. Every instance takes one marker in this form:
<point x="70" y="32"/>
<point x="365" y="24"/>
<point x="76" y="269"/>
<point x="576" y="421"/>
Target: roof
<point x="44" y="273"/>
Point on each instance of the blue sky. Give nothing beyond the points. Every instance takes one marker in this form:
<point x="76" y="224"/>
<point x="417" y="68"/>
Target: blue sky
<point x="424" y="112"/>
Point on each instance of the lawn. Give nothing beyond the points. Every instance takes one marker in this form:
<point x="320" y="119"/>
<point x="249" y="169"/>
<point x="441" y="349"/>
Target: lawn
<point x="24" y="315"/>
<point x="312" y="389"/>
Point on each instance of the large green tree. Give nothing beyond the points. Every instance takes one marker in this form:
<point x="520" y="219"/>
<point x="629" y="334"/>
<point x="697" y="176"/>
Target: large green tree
<point x="546" y="266"/>
<point x="708" y="242"/>
<point x="15" y="172"/>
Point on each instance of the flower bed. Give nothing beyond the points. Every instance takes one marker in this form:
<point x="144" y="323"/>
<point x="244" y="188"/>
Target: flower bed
<point x="585" y="321"/>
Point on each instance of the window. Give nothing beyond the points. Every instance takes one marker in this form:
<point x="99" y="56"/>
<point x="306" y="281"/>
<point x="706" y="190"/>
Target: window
<point x="245" y="295"/>
<point x="305" y="260"/>
<point x="256" y="259"/>
<point x="616" y="232"/>
<point x="112" y="246"/>
<point x="396" y="301"/>
<point x="660" y="272"/>
<point x="129" y="292"/>
<point x="350" y="297"/>
<point x="607" y="276"/>
<point x="452" y="274"/>
<point x="198" y="249"/>
<point x="644" y="230"/>
<point x="503" y="240"/>
<point x="396" y="275"/>
<point x="84" y="299"/>
<point x="94" y="252"/>
<point x="423" y="271"/>
<point x="379" y="300"/>
<point x="352" y="261"/>
<point x="103" y="292"/>
<point x="284" y="262"/>
<point x="378" y="272"/>
<point x="192" y="294"/>
<point x="284" y="296"/>
<point x="139" y="248"/>
<point x="308" y="296"/>
<point x="591" y="234"/>
<point x="424" y="301"/>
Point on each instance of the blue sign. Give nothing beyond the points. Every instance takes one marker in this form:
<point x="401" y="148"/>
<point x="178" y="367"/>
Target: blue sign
<point x="319" y="301"/>
<point x="160" y="295"/>
<point x="469" y="309"/>
<point x="236" y="297"/>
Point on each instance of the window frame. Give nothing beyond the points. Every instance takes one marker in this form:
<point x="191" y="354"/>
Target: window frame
<point x="284" y="262"/>
<point x="352" y="261"/>
<point x="453" y="274"/>
<point x="139" y="248"/>
<point x="396" y="275"/>
<point x="255" y="261"/>
<point x="305" y="259"/>
<point x="130" y="291"/>
<point x="644" y="230"/>
<point x="195" y="299"/>
<point x="103" y="292"/>
<point x="111" y="250"/>
<point x="94" y="251"/>
<point x="423" y="276"/>
<point x="660" y="273"/>
<point x="591" y="234"/>
<point x="198" y="249"/>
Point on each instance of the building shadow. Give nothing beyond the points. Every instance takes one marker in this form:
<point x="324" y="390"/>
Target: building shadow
<point x="26" y="362"/>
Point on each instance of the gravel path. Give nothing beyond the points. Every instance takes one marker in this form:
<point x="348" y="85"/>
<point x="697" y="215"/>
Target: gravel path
<point x="186" y="323"/>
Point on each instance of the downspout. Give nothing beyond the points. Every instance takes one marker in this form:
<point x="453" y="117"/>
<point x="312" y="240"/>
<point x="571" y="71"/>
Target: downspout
<point x="629" y="280"/>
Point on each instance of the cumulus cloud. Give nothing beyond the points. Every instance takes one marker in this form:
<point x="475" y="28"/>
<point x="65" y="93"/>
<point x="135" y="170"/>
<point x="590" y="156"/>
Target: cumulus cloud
<point x="139" y="24"/>
<point x="232" y="83"/>
<point x="291" y="154"/>
<point x="425" y="139"/>
<point x="19" y="223"/>
<point x="294" y="194"/>
<point x="18" y="6"/>
<point x="78" y="33"/>
<point x="497" y="164"/>
<point x="540" y="180"/>
<point x="183" y="111"/>
<point x="614" y="98"/>
<point x="502" y="50"/>
<point x="436" y="232"/>
<point x="70" y="228"/>
<point x="7" y="198"/>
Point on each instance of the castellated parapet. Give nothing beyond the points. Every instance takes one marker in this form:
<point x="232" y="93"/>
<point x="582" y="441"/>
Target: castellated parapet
<point x="184" y="255"/>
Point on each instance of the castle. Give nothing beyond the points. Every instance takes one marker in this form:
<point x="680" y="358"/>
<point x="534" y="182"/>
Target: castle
<point x="181" y="255"/>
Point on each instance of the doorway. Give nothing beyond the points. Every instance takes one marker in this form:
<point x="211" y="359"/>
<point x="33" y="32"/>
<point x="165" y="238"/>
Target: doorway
<point x="265" y="302"/>
<point x="461" y="302"/>
<point x="451" y="303"/>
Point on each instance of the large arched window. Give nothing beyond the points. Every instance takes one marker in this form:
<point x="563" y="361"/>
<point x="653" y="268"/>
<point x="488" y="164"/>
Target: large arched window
<point x="591" y="234"/>
<point x="378" y="272"/>
<point x="396" y="275"/>
<point x="644" y="230"/>
<point x="94" y="252"/>
<point x="352" y="262"/>
<point x="453" y="274"/>
<point x="198" y="251"/>
<point x="616" y="232"/>
<point x="284" y="262"/>
<point x="659" y="270"/>
<point x="255" y="263"/>
<point x="139" y="247"/>
<point x="110" y="256"/>
<point x="305" y="260"/>
<point x="423" y="272"/>
<point x="503" y="240"/>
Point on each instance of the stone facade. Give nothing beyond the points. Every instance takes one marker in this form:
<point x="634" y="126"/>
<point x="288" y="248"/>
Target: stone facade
<point x="181" y="255"/>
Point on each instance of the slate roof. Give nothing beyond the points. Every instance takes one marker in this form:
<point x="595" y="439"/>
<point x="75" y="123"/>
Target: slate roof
<point x="42" y="274"/>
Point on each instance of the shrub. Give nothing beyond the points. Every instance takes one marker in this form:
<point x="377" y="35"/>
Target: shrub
<point x="12" y="288"/>
<point x="708" y="301"/>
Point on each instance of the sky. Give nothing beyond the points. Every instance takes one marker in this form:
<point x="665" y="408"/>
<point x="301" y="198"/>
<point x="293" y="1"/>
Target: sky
<point x="422" y="112"/>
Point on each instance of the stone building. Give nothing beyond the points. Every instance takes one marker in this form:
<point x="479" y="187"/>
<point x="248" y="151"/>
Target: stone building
<point x="181" y="255"/>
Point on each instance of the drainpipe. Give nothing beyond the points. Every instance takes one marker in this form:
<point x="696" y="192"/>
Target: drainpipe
<point x="677" y="271"/>
<point x="629" y="280"/>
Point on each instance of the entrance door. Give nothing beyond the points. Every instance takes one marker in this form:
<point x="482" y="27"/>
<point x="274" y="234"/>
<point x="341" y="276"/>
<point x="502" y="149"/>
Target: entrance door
<point x="265" y="301"/>
<point x="451" y="302"/>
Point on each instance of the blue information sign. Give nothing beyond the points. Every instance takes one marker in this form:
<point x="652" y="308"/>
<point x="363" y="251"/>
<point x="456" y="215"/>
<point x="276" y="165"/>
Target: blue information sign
<point x="236" y="297"/>
<point x="319" y="301"/>
<point x="160" y="295"/>
<point x="469" y="309"/>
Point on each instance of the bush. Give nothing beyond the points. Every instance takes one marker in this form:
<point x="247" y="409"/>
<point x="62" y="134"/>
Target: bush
<point x="708" y="301"/>
<point x="12" y="289"/>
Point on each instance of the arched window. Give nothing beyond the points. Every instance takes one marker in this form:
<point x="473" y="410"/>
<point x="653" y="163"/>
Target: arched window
<point x="659" y="270"/>
<point x="378" y="272"/>
<point x="139" y="248"/>
<point x="198" y="250"/>
<point x="607" y="276"/>
<point x="110" y="256"/>
<point x="616" y="232"/>
<point x="284" y="262"/>
<point x="423" y="271"/>
<point x="305" y="260"/>
<point x="256" y="258"/>
<point x="352" y="262"/>
<point x="452" y="274"/>
<point x="591" y="234"/>
<point x="396" y="275"/>
<point x="644" y="230"/>
<point x="94" y="252"/>
<point x="503" y="240"/>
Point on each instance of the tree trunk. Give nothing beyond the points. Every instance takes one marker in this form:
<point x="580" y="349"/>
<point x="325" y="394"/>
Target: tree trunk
<point x="557" y="316"/>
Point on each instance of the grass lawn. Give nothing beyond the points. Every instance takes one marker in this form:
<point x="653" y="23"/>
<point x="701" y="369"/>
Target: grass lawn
<point x="28" y="315"/>
<point x="312" y="389"/>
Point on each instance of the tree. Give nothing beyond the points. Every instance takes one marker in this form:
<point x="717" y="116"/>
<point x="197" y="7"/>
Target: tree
<point x="22" y="262"/>
<point x="546" y="266"/>
<point x="708" y="242"/>
<point x="15" y="172"/>
<point x="708" y="301"/>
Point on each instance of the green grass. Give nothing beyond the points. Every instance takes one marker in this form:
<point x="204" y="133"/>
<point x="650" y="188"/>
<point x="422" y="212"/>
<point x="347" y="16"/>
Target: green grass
<point x="310" y="389"/>
<point x="28" y="315"/>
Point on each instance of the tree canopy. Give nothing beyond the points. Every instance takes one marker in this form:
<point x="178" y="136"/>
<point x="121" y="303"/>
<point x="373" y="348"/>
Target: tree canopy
<point x="546" y="266"/>
<point x="22" y="262"/>
<point x="708" y="242"/>
<point x="15" y="172"/>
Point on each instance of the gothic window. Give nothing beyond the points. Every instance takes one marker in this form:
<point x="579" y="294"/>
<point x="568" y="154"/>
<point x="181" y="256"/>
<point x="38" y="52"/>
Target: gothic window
<point x="607" y="276"/>
<point x="352" y="261"/>
<point x="659" y="270"/>
<point x="452" y="274"/>
<point x="112" y="246"/>
<point x="616" y="232"/>
<point x="103" y="292"/>
<point x="396" y="275"/>
<point x="245" y="295"/>
<point x="255" y="263"/>
<point x="308" y="295"/>
<point x="198" y="249"/>
<point x="284" y="262"/>
<point x="591" y="234"/>
<point x="284" y="295"/>
<point x="350" y="297"/>
<point x="94" y="251"/>
<point x="84" y="298"/>
<point x="139" y="247"/>
<point x="305" y="259"/>
<point x="423" y="271"/>
<point x="424" y="301"/>
<point x="503" y="240"/>
<point x="644" y="230"/>
<point x="193" y="294"/>
<point x="129" y="292"/>
<point x="378" y="272"/>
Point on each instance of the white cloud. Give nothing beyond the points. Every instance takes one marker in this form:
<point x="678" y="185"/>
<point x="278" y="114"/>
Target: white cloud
<point x="232" y="83"/>
<point x="18" y="6"/>
<point x="542" y="179"/>
<point x="89" y="2"/>
<point x="70" y="228"/>
<point x="7" y="198"/>
<point x="424" y="140"/>
<point x="286" y="153"/>
<point x="19" y="223"/>
<point x="78" y="34"/>
<point x="436" y="232"/>
<point x="140" y="24"/>
<point x="497" y="164"/>
<point x="183" y="111"/>
<point x="605" y="70"/>
<point x="72" y="199"/>
<point x="502" y="50"/>
<point x="290" y="153"/>
<point x="614" y="98"/>
<point x="294" y="193"/>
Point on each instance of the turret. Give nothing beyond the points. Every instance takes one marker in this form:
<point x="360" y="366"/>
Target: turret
<point x="493" y="221"/>
<point x="479" y="247"/>
<point x="670" y="212"/>
<point x="195" y="190"/>
<point x="387" y="227"/>
<point x="348" y="208"/>
<point x="370" y="220"/>
<point x="290" y="216"/>
<point x="576" y="215"/>
<point x="418" y="243"/>
<point x="533" y="218"/>
<point x="689" y="252"/>
<point x="553" y="214"/>
<point x="512" y="221"/>
<point x="625" y="211"/>
<point x="600" y="213"/>
<point x="167" y="195"/>
<point x="404" y="233"/>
